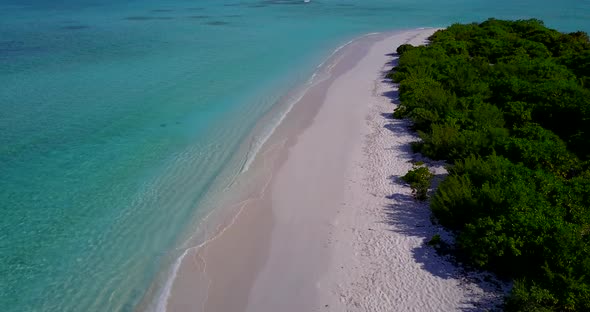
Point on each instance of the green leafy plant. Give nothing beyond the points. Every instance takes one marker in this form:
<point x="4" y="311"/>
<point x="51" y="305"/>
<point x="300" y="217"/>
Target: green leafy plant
<point x="507" y="104"/>
<point x="419" y="179"/>
<point x="403" y="48"/>
<point x="435" y="240"/>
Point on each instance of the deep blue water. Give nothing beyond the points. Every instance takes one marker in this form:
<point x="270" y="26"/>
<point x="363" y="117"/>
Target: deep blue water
<point x="116" y="116"/>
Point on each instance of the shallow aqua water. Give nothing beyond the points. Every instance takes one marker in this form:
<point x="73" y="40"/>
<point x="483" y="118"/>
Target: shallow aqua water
<point x="116" y="116"/>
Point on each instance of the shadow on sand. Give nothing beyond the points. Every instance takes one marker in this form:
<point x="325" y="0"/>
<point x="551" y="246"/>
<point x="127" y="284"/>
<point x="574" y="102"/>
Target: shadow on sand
<point x="407" y="216"/>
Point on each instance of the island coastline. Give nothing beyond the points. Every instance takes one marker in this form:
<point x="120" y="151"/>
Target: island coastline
<point x="310" y="232"/>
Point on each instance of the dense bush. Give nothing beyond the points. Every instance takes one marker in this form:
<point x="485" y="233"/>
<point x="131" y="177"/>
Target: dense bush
<point x="403" y="48"/>
<point x="507" y="103"/>
<point x="419" y="179"/>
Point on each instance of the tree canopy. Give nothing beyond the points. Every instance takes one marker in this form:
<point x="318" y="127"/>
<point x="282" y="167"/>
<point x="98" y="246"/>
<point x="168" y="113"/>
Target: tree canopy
<point x="507" y="104"/>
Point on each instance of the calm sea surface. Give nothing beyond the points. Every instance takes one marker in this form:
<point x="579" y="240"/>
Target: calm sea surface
<point x="116" y="116"/>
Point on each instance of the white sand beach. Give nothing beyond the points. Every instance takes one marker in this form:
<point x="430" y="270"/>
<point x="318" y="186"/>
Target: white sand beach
<point x="324" y="223"/>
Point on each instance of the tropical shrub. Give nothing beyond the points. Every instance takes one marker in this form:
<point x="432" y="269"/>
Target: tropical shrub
<point x="419" y="179"/>
<point x="507" y="104"/>
<point x="403" y="48"/>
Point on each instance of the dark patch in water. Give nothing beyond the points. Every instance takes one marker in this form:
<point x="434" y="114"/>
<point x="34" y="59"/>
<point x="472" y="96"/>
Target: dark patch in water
<point x="16" y="48"/>
<point x="11" y="42"/>
<point x="257" y="5"/>
<point x="195" y="9"/>
<point x="75" y="27"/>
<point x="161" y="11"/>
<point x="139" y="18"/>
<point x="163" y="125"/>
<point x="345" y="4"/>
<point x="199" y="16"/>
<point x="232" y="4"/>
<point x="383" y="9"/>
<point x="147" y="18"/>
<point x="217" y="23"/>
<point x="289" y="2"/>
<point x="233" y="15"/>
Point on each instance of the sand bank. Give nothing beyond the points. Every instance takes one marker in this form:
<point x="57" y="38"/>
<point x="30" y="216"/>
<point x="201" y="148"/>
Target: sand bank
<point x="323" y="223"/>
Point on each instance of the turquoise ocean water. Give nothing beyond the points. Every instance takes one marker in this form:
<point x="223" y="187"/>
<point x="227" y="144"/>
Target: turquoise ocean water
<point x="116" y="116"/>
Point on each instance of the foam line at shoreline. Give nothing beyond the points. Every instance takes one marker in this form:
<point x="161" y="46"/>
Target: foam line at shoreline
<point x="257" y="145"/>
<point x="162" y="301"/>
<point x="325" y="67"/>
<point x="160" y="304"/>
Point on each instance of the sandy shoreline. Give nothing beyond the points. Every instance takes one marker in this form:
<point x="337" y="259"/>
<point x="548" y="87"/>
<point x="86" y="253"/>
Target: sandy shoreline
<point x="323" y="224"/>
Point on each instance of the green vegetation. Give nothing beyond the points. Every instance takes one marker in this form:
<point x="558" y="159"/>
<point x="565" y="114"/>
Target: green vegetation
<point x="507" y="104"/>
<point x="419" y="179"/>
<point x="435" y="240"/>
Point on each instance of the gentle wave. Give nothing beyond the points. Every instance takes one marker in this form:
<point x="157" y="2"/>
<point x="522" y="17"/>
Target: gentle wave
<point x="257" y="144"/>
<point x="321" y="73"/>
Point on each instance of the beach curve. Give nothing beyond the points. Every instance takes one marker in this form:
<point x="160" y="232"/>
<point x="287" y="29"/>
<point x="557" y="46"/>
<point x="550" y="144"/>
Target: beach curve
<point x="311" y="233"/>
